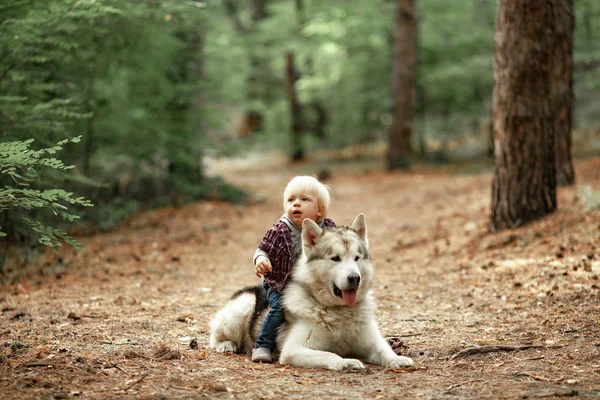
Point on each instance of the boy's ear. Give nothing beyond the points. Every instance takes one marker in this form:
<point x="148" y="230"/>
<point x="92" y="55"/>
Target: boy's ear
<point x="311" y="233"/>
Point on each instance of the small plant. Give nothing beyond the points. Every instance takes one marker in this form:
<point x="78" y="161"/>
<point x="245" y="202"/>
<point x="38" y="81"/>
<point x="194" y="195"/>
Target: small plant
<point x="589" y="197"/>
<point x="16" y="346"/>
<point x="20" y="163"/>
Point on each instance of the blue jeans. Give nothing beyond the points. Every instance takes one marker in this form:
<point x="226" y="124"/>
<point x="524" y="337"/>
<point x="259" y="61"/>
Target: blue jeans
<point x="268" y="334"/>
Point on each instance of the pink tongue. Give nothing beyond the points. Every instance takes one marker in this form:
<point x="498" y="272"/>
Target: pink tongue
<point x="349" y="297"/>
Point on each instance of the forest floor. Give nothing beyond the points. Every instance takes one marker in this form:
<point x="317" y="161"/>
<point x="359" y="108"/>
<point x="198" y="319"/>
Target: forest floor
<point x="128" y="317"/>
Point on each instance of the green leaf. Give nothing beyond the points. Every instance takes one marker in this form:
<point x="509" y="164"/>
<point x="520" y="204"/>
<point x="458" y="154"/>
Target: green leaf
<point x="31" y="174"/>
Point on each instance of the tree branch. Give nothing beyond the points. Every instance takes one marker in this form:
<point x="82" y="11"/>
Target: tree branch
<point x="587" y="65"/>
<point x="7" y="70"/>
<point x="489" y="349"/>
<point x="232" y="12"/>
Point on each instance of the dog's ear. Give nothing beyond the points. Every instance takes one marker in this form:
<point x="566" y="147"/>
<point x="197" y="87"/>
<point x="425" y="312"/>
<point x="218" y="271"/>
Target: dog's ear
<point x="311" y="232"/>
<point x="359" y="225"/>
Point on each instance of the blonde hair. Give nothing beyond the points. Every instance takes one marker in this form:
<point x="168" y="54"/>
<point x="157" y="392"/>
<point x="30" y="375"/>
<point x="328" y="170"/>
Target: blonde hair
<point x="310" y="185"/>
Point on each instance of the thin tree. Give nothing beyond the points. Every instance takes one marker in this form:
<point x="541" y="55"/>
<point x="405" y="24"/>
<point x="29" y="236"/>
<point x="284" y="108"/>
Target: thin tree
<point x="259" y="77"/>
<point x="403" y="83"/>
<point x="291" y="76"/>
<point x="524" y="179"/>
<point x="563" y="91"/>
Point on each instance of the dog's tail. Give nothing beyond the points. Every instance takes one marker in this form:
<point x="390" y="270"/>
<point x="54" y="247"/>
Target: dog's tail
<point x="233" y="328"/>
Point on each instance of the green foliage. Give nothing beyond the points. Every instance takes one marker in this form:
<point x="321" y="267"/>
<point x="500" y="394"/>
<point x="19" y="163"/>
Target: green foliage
<point x="589" y="197"/>
<point x="586" y="59"/>
<point x="125" y="76"/>
<point x="21" y="164"/>
<point x="154" y="86"/>
<point x="343" y="52"/>
<point x="336" y="45"/>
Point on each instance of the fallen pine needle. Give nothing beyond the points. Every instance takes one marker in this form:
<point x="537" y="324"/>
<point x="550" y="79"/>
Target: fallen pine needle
<point x="132" y="384"/>
<point x="33" y="365"/>
<point x="534" y="358"/>
<point x="464" y="383"/>
<point x="571" y="393"/>
<point x="537" y="378"/>
<point x="490" y="349"/>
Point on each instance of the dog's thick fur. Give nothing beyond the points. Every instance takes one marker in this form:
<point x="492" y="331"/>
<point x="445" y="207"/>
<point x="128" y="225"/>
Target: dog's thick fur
<point x="329" y="310"/>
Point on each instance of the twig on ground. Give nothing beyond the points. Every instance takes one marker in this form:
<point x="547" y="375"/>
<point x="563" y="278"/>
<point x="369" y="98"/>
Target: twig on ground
<point x="119" y="344"/>
<point x="464" y="383"/>
<point x="115" y="366"/>
<point x="132" y="384"/>
<point x="534" y="358"/>
<point x="33" y="365"/>
<point x="571" y="393"/>
<point x="490" y="349"/>
<point x="537" y="378"/>
<point x="121" y="369"/>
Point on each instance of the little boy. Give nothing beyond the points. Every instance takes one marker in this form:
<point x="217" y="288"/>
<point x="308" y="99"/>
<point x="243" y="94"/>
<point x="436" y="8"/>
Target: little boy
<point x="303" y="197"/>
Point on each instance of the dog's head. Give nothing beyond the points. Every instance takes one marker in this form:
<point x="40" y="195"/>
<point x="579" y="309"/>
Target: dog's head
<point x="336" y="264"/>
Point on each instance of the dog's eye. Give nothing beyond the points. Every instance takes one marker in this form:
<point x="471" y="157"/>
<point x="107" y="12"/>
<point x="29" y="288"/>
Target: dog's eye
<point x="336" y="258"/>
<point x="356" y="258"/>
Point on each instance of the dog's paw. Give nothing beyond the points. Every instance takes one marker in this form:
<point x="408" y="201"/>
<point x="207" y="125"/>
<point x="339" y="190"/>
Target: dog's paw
<point x="347" y="364"/>
<point x="227" y="347"/>
<point x="400" y="361"/>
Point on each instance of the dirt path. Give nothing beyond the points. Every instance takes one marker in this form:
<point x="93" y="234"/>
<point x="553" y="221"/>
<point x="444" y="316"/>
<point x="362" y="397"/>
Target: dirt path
<point x="117" y="320"/>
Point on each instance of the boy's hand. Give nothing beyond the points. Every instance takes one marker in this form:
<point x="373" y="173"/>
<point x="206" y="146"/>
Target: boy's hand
<point x="263" y="266"/>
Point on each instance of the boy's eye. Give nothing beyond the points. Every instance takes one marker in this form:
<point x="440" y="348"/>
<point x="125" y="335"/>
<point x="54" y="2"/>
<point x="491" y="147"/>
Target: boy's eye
<point x="336" y="258"/>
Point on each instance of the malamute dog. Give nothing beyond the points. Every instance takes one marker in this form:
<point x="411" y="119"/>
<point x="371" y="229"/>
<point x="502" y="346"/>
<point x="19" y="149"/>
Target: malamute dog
<point x="329" y="309"/>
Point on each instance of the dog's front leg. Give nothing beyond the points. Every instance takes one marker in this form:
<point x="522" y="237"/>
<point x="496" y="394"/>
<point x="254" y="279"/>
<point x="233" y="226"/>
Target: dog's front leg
<point x="379" y="351"/>
<point x="296" y="352"/>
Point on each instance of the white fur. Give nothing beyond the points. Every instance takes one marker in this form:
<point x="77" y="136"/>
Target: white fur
<point x="227" y="326"/>
<point x="321" y="331"/>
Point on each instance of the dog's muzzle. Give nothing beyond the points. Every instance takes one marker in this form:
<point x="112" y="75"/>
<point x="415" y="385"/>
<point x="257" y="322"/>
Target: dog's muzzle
<point x="348" y="294"/>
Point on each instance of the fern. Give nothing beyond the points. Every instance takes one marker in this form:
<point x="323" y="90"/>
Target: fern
<point x="19" y="162"/>
<point x="589" y="197"/>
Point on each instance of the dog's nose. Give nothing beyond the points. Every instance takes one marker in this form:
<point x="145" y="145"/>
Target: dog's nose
<point x="354" y="280"/>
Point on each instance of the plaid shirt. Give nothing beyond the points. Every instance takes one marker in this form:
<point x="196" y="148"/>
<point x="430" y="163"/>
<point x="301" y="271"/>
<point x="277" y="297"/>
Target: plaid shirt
<point x="279" y="247"/>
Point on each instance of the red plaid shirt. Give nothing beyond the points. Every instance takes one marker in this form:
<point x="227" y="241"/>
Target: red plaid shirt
<point x="278" y="245"/>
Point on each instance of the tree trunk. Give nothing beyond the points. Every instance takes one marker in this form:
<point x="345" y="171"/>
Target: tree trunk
<point x="300" y="15"/>
<point x="400" y="131"/>
<point x="524" y="180"/>
<point x="295" y="109"/>
<point x="563" y="91"/>
<point x="259" y="10"/>
<point x="89" y="140"/>
<point x="259" y="79"/>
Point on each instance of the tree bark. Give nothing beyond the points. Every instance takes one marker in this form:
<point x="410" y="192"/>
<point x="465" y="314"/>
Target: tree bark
<point x="198" y="69"/>
<point x="300" y="14"/>
<point x="295" y="110"/>
<point x="259" y="79"/>
<point x="232" y="12"/>
<point x="524" y="179"/>
<point x="563" y="91"/>
<point x="403" y="79"/>
<point x="89" y="141"/>
<point x="259" y="10"/>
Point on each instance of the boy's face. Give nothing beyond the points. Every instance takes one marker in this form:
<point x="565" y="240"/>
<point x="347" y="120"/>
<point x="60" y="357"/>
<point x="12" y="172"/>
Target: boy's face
<point x="302" y="205"/>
